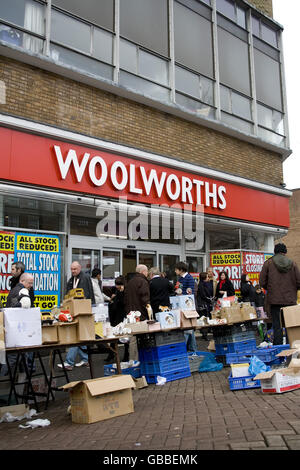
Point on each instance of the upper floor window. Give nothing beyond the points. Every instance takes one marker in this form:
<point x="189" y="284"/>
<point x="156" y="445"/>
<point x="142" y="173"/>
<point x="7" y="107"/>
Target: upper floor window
<point x="146" y="23"/>
<point x="232" y="11"/>
<point x="97" y="12"/>
<point x="264" y="31"/>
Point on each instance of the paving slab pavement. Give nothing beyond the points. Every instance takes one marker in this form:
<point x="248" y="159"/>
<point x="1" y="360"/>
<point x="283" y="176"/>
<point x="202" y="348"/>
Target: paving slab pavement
<point x="197" y="413"/>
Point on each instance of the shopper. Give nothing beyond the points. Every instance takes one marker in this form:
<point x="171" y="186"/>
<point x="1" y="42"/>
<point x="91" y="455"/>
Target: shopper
<point x="186" y="284"/>
<point x="116" y="311"/>
<point x="83" y="281"/>
<point x="224" y="286"/>
<point x="137" y="293"/>
<point x="100" y="297"/>
<point x="280" y="276"/>
<point x="17" y="269"/>
<point x="247" y="289"/>
<point x="213" y="280"/>
<point x="204" y="299"/>
<point x="160" y="290"/>
<point x="259" y="302"/>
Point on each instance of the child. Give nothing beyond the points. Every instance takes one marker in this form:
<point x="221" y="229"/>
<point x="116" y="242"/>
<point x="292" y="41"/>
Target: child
<point x="259" y="300"/>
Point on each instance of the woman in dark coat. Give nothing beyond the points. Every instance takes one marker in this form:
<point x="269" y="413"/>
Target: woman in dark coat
<point x="224" y="285"/>
<point x="247" y="289"/>
<point x="203" y="295"/>
<point x="116" y="312"/>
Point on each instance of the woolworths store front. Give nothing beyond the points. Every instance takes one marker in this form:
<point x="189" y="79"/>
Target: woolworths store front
<point x="65" y="197"/>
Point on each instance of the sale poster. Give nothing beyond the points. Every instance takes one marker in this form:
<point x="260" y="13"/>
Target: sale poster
<point x="41" y="255"/>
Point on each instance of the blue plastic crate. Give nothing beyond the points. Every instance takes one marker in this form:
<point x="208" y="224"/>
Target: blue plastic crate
<point x="161" y="352"/>
<point x="242" y="383"/>
<point x="267" y="355"/>
<point x="239" y="346"/>
<point x="134" y="371"/>
<point x="167" y="365"/>
<point x="170" y="376"/>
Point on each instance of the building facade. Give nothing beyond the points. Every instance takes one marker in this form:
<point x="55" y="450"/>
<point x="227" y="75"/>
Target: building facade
<point x="137" y="131"/>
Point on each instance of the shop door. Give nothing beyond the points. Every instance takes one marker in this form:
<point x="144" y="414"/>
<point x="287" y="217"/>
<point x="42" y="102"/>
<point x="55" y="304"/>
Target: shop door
<point x="87" y="258"/>
<point x="167" y="265"/>
<point x="147" y="258"/>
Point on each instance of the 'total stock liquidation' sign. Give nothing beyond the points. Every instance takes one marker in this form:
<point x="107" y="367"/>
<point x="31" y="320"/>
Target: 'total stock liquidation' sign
<point x="41" y="256"/>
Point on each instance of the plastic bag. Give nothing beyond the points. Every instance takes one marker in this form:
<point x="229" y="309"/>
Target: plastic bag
<point x="257" y="366"/>
<point x="209" y="364"/>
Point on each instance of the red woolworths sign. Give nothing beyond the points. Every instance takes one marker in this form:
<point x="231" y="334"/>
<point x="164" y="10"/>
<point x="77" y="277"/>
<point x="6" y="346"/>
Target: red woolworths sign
<point x="52" y="163"/>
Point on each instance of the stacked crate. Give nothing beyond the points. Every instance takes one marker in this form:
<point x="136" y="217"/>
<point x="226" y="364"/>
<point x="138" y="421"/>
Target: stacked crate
<point x="237" y="338"/>
<point x="163" y="354"/>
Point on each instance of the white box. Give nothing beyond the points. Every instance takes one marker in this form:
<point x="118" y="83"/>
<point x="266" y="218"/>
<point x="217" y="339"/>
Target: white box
<point x="276" y="381"/>
<point x="23" y="327"/>
<point x="240" y="370"/>
<point x="186" y="302"/>
<point x="100" y="312"/>
<point x="168" y="319"/>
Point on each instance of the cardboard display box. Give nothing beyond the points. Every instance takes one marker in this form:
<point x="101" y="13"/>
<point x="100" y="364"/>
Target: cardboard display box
<point x="168" y="319"/>
<point x="291" y="317"/>
<point x="232" y="314"/>
<point x="248" y="312"/>
<point x="284" y="379"/>
<point x="67" y="332"/>
<point x="138" y="327"/>
<point x="188" y="318"/>
<point x="99" y="399"/>
<point x="23" y="327"/>
<point x="14" y="410"/>
<point x="49" y="334"/>
<point x="85" y="327"/>
<point x="78" y="306"/>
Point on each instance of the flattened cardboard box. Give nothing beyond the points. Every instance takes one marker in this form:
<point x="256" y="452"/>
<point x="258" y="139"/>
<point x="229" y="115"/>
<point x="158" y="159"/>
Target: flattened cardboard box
<point x="138" y="327"/>
<point x="99" y="399"/>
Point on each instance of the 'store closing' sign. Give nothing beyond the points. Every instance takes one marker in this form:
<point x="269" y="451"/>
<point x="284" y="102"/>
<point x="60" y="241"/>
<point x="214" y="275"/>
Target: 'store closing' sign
<point x="41" y="256"/>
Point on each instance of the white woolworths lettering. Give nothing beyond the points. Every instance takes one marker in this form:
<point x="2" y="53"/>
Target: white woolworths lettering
<point x="113" y="175"/>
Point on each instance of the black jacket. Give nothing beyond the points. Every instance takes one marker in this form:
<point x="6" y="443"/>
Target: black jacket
<point x="227" y="286"/>
<point x="203" y="300"/>
<point x="116" y="308"/>
<point x="14" y="297"/>
<point x="160" y="290"/>
<point x="84" y="283"/>
<point x="259" y="299"/>
<point x="14" y="281"/>
<point x="247" y="292"/>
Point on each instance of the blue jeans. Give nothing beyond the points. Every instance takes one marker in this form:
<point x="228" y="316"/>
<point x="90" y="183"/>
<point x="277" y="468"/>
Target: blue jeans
<point x="191" y="344"/>
<point x="72" y="354"/>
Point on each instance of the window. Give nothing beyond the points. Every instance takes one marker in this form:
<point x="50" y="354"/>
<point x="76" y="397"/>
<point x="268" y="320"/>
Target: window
<point x="268" y="80"/>
<point x="137" y="61"/>
<point x="194" y="50"/>
<point x="234" y="62"/>
<point x="232" y="11"/>
<point x="145" y="23"/>
<point x="224" y="238"/>
<point x="195" y="85"/>
<point x="271" y="119"/>
<point x="99" y="12"/>
<point x="264" y="31"/>
<point x="71" y="32"/>
<point x="253" y="240"/>
<point x="235" y="103"/>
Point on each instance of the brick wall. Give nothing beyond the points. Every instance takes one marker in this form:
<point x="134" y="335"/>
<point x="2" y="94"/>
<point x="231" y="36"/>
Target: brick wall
<point x="266" y="6"/>
<point x="51" y="99"/>
<point x="292" y="239"/>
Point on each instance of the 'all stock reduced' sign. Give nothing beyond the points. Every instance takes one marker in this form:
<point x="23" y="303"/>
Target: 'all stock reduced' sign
<point x="42" y="257"/>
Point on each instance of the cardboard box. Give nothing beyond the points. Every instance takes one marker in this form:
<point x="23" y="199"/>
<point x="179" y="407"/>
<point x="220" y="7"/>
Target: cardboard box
<point x="78" y="306"/>
<point x="291" y="317"/>
<point x="232" y="314"/>
<point x="168" y="319"/>
<point x="138" y="327"/>
<point x="100" y="312"/>
<point x="248" y="312"/>
<point x="23" y="327"/>
<point x="49" y="334"/>
<point x="154" y="327"/>
<point x="99" y="399"/>
<point x="284" y="379"/>
<point x="188" y="318"/>
<point x="240" y="370"/>
<point x="14" y="410"/>
<point x="67" y="333"/>
<point x="85" y="327"/>
<point x="141" y="382"/>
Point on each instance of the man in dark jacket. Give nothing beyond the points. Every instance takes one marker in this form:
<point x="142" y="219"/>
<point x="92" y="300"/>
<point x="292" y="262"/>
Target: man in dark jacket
<point x="17" y="269"/>
<point x="280" y="276"/>
<point x="137" y="292"/>
<point x="19" y="296"/>
<point x="160" y="290"/>
<point x="80" y="280"/>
